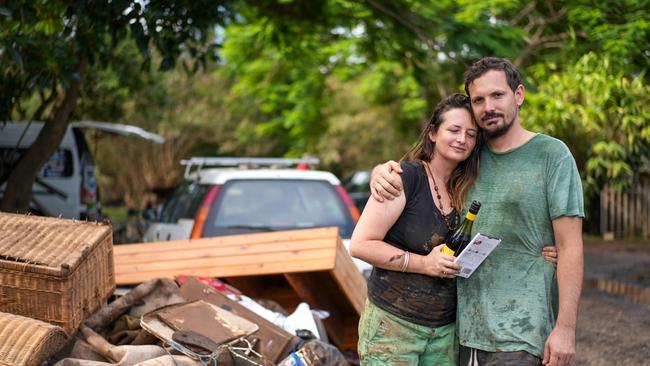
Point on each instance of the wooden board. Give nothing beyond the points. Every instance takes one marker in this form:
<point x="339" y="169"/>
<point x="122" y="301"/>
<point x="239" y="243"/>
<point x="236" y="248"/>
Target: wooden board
<point x="310" y="265"/>
<point x="237" y="255"/>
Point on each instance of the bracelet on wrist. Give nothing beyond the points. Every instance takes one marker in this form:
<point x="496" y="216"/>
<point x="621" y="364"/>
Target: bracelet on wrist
<point x="405" y="263"/>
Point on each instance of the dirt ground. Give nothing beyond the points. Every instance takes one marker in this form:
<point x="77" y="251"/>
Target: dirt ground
<point x="612" y="329"/>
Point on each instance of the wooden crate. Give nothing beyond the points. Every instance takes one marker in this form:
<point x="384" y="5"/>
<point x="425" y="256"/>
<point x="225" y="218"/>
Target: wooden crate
<point x="55" y="270"/>
<point x="310" y="265"/>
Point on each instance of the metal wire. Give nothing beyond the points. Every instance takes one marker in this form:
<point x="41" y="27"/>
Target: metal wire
<point x="247" y="350"/>
<point x="205" y="360"/>
<point x="212" y="359"/>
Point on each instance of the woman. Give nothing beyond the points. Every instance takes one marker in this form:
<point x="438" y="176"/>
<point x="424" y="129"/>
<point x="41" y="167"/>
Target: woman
<point x="409" y="318"/>
<point x="411" y="309"/>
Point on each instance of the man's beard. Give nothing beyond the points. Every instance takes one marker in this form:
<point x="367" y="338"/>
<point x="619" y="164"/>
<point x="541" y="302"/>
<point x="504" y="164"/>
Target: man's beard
<point x="500" y="130"/>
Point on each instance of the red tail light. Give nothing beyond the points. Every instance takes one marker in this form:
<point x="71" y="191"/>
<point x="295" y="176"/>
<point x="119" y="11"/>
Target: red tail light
<point x="354" y="211"/>
<point x="202" y="214"/>
<point x="84" y="195"/>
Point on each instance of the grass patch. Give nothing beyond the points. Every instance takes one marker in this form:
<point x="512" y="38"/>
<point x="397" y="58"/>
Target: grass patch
<point x="115" y="213"/>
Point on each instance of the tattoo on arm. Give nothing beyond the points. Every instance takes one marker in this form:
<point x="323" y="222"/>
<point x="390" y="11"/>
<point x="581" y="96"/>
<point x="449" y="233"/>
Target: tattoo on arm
<point x="395" y="258"/>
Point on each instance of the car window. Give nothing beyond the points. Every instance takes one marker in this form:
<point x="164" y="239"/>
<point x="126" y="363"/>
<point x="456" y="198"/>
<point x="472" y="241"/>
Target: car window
<point x="184" y="202"/>
<point x="357" y="186"/>
<point x="59" y="165"/>
<point x="358" y="182"/>
<point x="82" y="147"/>
<point x="277" y="205"/>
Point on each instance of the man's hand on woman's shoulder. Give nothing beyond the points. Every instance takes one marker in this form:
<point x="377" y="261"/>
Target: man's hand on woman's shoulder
<point x="385" y="181"/>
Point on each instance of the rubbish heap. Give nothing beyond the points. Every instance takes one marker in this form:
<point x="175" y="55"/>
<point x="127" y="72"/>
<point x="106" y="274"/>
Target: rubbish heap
<point x="212" y="301"/>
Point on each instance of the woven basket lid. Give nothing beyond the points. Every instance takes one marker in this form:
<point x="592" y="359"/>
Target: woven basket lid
<point x="27" y="341"/>
<point x="45" y="244"/>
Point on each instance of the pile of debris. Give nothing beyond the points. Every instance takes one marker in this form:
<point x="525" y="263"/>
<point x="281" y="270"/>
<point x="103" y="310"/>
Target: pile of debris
<point x="57" y="277"/>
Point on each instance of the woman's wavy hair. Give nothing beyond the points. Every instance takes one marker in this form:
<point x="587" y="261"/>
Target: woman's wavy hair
<point x="465" y="174"/>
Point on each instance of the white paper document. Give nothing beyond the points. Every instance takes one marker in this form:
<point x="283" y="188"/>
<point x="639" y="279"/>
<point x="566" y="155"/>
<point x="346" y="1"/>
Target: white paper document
<point x="475" y="253"/>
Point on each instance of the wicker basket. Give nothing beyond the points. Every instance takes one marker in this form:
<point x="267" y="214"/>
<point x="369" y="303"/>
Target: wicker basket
<point x="59" y="271"/>
<point x="26" y="341"/>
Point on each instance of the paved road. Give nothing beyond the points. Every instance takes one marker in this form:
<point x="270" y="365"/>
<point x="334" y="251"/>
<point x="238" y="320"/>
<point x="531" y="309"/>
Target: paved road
<point x="612" y="330"/>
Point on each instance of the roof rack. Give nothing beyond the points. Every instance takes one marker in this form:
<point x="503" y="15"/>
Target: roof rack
<point x="200" y="162"/>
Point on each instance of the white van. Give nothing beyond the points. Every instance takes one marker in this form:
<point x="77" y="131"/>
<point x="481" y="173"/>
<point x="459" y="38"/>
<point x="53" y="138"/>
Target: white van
<point x="66" y="185"/>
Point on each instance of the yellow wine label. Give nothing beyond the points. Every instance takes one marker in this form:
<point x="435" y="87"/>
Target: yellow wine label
<point x="447" y="250"/>
<point x="470" y="216"/>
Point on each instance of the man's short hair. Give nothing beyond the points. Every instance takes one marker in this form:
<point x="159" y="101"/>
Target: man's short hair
<point x="480" y="67"/>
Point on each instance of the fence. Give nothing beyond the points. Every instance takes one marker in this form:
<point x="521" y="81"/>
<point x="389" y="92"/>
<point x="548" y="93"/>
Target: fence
<point x="625" y="214"/>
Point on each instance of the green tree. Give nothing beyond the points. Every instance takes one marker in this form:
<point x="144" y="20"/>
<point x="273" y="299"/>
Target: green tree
<point x="400" y="56"/>
<point x="601" y="113"/>
<point x="349" y="81"/>
<point x="48" y="47"/>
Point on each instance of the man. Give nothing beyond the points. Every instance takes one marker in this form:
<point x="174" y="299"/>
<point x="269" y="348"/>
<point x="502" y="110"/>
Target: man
<point x="531" y="194"/>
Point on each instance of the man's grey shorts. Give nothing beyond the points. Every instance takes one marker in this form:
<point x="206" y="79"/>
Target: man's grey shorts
<point x="475" y="357"/>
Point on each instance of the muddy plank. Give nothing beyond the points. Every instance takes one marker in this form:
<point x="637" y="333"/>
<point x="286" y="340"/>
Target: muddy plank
<point x="275" y="342"/>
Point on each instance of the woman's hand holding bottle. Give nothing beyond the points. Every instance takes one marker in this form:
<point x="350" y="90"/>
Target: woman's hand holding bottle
<point x="439" y="264"/>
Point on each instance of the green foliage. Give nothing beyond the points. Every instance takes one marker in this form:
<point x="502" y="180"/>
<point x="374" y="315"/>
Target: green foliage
<point x="277" y="89"/>
<point x="619" y="29"/>
<point x="45" y="41"/>
<point x="108" y="90"/>
<point x="601" y="112"/>
<point x="47" y="47"/>
<point x="350" y="82"/>
<point x="282" y="70"/>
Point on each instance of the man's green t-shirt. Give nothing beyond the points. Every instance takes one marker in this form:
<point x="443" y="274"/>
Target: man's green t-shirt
<point x="510" y="302"/>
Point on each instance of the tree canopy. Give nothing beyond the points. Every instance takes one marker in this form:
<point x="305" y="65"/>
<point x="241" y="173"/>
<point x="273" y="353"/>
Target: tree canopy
<point x="351" y="82"/>
<point x="48" y="46"/>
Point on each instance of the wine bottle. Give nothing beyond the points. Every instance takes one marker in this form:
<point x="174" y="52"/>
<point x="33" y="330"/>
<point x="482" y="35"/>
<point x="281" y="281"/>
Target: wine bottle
<point x="456" y="240"/>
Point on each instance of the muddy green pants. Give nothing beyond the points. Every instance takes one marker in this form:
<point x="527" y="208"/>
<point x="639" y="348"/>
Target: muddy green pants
<point x="385" y="339"/>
